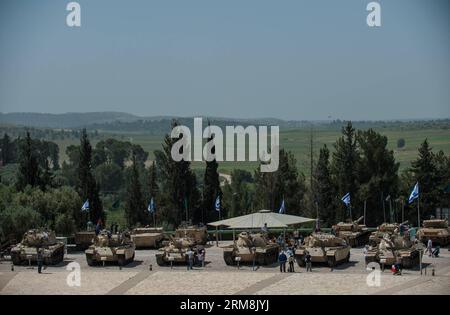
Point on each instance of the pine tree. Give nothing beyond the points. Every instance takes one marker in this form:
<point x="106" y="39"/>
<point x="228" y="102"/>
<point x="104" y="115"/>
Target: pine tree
<point x="6" y="149"/>
<point x="135" y="205"/>
<point x="284" y="184"/>
<point x="323" y="189"/>
<point x="344" y="168"/>
<point x="211" y="190"/>
<point x="378" y="176"/>
<point x="179" y="185"/>
<point x="29" y="173"/>
<point x="425" y="172"/>
<point x="87" y="186"/>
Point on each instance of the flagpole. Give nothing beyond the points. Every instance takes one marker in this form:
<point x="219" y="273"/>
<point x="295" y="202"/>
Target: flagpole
<point x="418" y="211"/>
<point x="403" y="211"/>
<point x="365" y="203"/>
<point x="154" y="218"/>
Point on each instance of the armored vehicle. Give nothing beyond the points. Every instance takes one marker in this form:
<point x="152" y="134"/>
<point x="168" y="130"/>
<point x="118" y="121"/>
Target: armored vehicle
<point x="353" y="233"/>
<point x="389" y="228"/>
<point x="435" y="230"/>
<point x="109" y="247"/>
<point x="176" y="251"/>
<point x="251" y="247"/>
<point x="84" y="239"/>
<point x="394" y="249"/>
<point x="147" y="237"/>
<point x="198" y="234"/>
<point x="34" y="240"/>
<point x="323" y="248"/>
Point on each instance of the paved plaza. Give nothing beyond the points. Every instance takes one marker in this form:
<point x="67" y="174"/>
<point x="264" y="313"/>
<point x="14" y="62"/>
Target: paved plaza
<point x="144" y="276"/>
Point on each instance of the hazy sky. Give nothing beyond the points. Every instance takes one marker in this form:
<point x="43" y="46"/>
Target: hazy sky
<point x="235" y="58"/>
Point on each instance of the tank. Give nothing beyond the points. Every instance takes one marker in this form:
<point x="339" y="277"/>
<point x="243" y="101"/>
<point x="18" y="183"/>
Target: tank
<point x="26" y="250"/>
<point x="251" y="247"/>
<point x="175" y="251"/>
<point x="198" y="234"/>
<point x="84" y="239"/>
<point x="394" y="249"/>
<point x="147" y="237"/>
<point x="353" y="233"/>
<point x="389" y="228"/>
<point x="435" y="230"/>
<point x="323" y="248"/>
<point x="109" y="247"/>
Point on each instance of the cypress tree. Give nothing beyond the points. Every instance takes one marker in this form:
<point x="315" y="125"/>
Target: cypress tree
<point x="29" y="173"/>
<point x="135" y="205"/>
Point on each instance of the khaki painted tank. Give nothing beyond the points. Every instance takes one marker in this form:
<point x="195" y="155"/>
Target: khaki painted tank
<point x="435" y="230"/>
<point x="84" y="239"/>
<point x="147" y="237"/>
<point x="353" y="233"/>
<point x="109" y="247"/>
<point x="176" y="251"/>
<point x="394" y="249"/>
<point x="26" y="251"/>
<point x="251" y="247"/>
<point x="198" y="234"/>
<point x="323" y="248"/>
<point x="389" y="228"/>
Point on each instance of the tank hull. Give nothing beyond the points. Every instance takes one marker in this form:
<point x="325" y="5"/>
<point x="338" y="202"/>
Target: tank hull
<point x="52" y="255"/>
<point x="331" y="256"/>
<point x="261" y="256"/>
<point x="123" y="255"/>
<point x="84" y="239"/>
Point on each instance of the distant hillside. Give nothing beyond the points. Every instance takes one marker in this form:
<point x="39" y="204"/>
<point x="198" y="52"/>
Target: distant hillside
<point x="118" y="122"/>
<point x="67" y="120"/>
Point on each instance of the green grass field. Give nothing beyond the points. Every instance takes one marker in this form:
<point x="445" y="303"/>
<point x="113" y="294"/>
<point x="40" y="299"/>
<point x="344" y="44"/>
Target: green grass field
<point x="298" y="141"/>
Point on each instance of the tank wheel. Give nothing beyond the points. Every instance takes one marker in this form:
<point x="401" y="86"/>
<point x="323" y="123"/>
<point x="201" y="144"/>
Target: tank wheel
<point x="300" y="261"/>
<point x="121" y="260"/>
<point x="160" y="260"/>
<point x="347" y="259"/>
<point x="261" y="259"/>
<point x="229" y="258"/>
<point x="57" y="256"/>
<point x="331" y="261"/>
<point x="16" y="259"/>
<point x="89" y="260"/>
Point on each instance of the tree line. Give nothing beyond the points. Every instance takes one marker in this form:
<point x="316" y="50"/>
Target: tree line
<point x="117" y="173"/>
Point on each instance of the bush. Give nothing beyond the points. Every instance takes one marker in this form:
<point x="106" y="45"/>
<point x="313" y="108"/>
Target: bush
<point x="65" y="224"/>
<point x="15" y="221"/>
<point x="401" y="143"/>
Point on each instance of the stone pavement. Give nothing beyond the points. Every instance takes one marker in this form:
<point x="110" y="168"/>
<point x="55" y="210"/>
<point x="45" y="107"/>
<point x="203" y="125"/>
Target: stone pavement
<point x="218" y="278"/>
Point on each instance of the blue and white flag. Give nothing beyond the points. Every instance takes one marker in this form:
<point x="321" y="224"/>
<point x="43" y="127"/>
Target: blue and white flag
<point x="282" y="208"/>
<point x="217" y="203"/>
<point x="346" y="199"/>
<point x="85" y="206"/>
<point x="151" y="206"/>
<point x="414" y="193"/>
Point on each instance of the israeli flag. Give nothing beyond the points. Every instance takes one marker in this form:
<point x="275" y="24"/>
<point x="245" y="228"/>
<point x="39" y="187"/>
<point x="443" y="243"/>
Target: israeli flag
<point x="151" y="206"/>
<point x="282" y="208"/>
<point x="346" y="199"/>
<point x="414" y="193"/>
<point x="85" y="206"/>
<point x="217" y="203"/>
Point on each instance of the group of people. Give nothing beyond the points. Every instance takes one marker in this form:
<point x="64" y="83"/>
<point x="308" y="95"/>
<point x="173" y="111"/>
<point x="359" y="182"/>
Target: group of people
<point x="190" y="255"/>
<point x="287" y="256"/>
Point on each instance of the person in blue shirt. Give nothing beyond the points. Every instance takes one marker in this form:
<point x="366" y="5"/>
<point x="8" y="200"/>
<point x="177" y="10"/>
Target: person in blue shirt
<point x="282" y="259"/>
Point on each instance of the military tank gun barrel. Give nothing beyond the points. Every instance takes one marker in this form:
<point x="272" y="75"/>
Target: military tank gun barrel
<point x="359" y="220"/>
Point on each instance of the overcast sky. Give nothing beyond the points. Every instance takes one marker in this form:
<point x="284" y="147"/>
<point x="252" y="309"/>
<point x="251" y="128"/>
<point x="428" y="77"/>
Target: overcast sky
<point x="233" y="58"/>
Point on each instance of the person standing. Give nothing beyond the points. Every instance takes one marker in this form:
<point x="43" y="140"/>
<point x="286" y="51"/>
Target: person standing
<point x="200" y="258"/>
<point x="282" y="258"/>
<point x="264" y="229"/>
<point x="430" y="248"/>
<point x="39" y="259"/>
<point x="190" y="257"/>
<point x="290" y="255"/>
<point x="308" y="262"/>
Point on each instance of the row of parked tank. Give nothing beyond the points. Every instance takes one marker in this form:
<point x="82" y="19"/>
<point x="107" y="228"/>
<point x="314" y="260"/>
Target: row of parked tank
<point x="387" y="245"/>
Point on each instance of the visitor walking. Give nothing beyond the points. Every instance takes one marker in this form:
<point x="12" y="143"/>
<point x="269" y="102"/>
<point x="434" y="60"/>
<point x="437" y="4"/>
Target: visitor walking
<point x="291" y="259"/>
<point x="39" y="258"/>
<point x="430" y="248"/>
